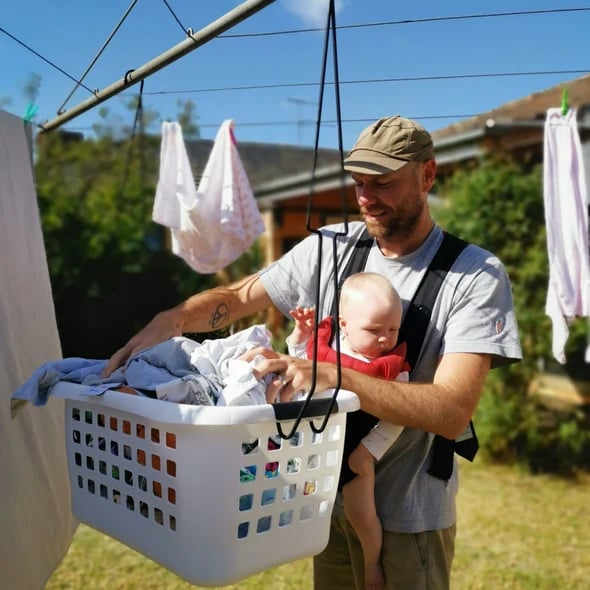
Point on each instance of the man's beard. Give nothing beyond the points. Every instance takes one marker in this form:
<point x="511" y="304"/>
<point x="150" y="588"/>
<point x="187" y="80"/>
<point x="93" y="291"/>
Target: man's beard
<point x="398" y="226"/>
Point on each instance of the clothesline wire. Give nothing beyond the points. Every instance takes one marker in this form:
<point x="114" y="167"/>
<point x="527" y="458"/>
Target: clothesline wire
<point x="185" y="30"/>
<point x="367" y="81"/>
<point x="329" y="122"/>
<point x="411" y="22"/>
<point x="60" y="109"/>
<point x="48" y="61"/>
<point x="359" y="25"/>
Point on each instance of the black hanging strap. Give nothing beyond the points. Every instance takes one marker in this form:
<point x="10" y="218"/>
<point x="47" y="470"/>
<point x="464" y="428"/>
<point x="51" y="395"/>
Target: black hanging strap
<point x="413" y="330"/>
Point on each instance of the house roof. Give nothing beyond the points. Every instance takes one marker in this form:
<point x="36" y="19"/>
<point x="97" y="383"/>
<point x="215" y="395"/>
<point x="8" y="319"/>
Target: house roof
<point x="264" y="162"/>
<point x="530" y="108"/>
<point x="326" y="178"/>
<point x="281" y="171"/>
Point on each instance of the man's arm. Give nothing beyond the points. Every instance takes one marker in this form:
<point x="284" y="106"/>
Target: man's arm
<point x="443" y="407"/>
<point x="211" y="310"/>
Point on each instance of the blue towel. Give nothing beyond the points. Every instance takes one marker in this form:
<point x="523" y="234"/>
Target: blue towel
<point x="159" y="364"/>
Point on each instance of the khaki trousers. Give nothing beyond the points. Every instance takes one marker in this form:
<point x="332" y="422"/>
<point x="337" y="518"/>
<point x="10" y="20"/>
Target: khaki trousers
<point x="411" y="561"/>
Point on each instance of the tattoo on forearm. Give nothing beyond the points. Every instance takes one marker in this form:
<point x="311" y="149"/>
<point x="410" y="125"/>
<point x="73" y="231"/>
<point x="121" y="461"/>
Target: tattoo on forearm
<point x="219" y="316"/>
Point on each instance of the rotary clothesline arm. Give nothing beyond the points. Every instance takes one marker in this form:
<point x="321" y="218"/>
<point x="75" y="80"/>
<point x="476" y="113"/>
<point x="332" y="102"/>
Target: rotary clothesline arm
<point x="194" y="40"/>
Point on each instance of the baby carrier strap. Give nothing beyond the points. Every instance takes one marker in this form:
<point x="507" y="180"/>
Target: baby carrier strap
<point x="413" y="330"/>
<point x="356" y="263"/>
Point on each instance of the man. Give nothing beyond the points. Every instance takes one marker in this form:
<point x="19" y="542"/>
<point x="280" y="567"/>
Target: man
<point x="472" y="329"/>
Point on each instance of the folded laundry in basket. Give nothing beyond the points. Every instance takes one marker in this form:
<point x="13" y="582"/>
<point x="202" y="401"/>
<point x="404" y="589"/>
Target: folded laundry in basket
<point x="190" y="389"/>
<point x="180" y="370"/>
<point x="241" y="386"/>
<point x="158" y="364"/>
<point x="37" y="388"/>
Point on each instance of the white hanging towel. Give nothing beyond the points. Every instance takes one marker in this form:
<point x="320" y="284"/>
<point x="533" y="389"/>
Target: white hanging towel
<point x="566" y="218"/>
<point x="214" y="225"/>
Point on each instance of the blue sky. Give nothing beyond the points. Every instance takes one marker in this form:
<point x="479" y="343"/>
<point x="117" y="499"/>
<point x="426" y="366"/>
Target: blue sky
<point x="429" y="43"/>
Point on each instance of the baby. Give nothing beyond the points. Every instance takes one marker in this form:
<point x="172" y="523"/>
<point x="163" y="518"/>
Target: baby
<point x="369" y="321"/>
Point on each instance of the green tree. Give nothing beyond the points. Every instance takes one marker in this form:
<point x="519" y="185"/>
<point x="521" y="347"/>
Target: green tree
<point x="110" y="268"/>
<point x="116" y="126"/>
<point x="498" y="205"/>
<point x="32" y="87"/>
<point x="187" y="118"/>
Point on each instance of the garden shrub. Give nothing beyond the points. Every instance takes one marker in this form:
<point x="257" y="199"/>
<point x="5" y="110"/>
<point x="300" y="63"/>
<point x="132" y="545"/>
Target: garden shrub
<point x="498" y="204"/>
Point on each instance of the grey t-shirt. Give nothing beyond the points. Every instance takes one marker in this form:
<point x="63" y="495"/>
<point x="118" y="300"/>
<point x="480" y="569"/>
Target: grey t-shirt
<point x="473" y="313"/>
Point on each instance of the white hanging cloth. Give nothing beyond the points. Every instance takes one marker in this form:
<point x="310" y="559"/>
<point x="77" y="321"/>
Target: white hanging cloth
<point x="566" y="218"/>
<point x="36" y="522"/>
<point x="213" y="225"/>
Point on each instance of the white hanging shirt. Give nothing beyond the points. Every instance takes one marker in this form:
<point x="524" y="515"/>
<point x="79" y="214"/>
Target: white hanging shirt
<point x="214" y="225"/>
<point x="566" y="218"/>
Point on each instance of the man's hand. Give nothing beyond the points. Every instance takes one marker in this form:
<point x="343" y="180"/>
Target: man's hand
<point x="292" y="375"/>
<point x="162" y="327"/>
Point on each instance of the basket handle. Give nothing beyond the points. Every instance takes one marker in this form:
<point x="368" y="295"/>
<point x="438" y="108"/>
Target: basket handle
<point x="314" y="408"/>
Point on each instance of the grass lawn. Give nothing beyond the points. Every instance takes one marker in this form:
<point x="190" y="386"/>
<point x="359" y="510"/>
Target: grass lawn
<point x="515" y="532"/>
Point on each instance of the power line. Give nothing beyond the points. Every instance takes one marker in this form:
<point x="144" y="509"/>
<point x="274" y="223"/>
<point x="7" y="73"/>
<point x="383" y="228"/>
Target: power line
<point x="332" y="121"/>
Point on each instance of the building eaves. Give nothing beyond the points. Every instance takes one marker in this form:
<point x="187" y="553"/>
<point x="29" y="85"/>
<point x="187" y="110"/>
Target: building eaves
<point x="296" y="185"/>
<point x="264" y="162"/>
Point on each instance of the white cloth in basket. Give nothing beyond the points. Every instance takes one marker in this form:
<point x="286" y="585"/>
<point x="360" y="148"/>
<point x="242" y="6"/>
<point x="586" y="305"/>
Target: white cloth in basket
<point x="179" y="370"/>
<point x="214" y="225"/>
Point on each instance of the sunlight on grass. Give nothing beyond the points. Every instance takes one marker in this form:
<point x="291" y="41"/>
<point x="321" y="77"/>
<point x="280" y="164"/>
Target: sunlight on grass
<point x="515" y="532"/>
<point x="518" y="531"/>
<point x="98" y="562"/>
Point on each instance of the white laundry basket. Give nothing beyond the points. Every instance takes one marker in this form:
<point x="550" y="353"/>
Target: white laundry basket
<point x="211" y="493"/>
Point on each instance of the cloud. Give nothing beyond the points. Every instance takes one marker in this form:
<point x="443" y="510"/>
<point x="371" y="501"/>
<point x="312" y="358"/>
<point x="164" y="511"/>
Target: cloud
<point x="312" y="12"/>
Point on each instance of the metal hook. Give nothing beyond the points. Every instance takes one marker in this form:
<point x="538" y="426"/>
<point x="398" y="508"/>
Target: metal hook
<point x="126" y="77"/>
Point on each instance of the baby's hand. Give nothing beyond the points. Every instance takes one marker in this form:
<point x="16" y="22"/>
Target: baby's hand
<point x="304" y="319"/>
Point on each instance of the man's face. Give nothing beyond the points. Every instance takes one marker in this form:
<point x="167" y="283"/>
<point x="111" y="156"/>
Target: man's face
<point x="392" y="204"/>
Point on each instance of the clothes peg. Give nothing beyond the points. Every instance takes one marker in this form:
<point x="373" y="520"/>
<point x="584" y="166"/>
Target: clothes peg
<point x="30" y="113"/>
<point x="564" y="102"/>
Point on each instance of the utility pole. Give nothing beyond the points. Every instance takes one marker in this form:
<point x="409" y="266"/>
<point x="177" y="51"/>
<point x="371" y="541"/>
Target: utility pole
<point x="299" y="104"/>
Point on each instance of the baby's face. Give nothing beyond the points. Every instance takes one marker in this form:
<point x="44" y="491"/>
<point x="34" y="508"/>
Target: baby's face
<point x="371" y="329"/>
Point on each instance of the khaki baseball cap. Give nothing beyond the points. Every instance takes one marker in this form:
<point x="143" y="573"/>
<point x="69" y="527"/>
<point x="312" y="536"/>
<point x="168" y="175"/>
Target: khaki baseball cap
<point x="388" y="145"/>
